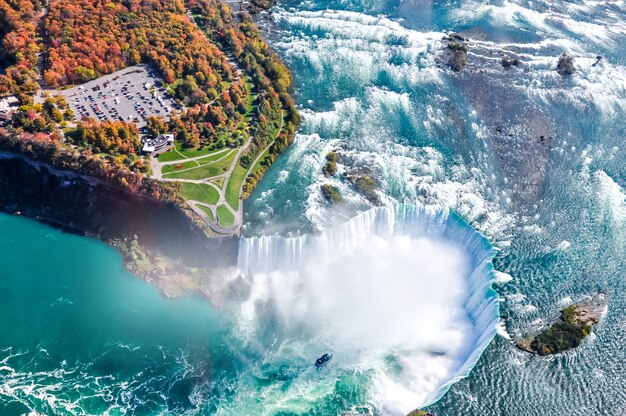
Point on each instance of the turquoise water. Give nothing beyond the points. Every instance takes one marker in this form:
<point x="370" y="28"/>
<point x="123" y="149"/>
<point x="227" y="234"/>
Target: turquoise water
<point x="82" y="336"/>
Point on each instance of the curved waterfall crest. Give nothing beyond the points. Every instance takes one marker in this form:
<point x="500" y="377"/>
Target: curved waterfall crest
<point x="269" y="254"/>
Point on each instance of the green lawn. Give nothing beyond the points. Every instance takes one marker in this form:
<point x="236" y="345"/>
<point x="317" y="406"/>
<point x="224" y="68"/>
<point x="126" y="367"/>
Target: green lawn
<point x="218" y="181"/>
<point x="181" y="153"/>
<point x="207" y="210"/>
<point x="169" y="156"/>
<point x="195" y="153"/>
<point x="225" y="218"/>
<point x="200" y="192"/>
<point x="275" y="133"/>
<point x="234" y="184"/>
<point x="193" y="163"/>
<point x="217" y="156"/>
<point x="205" y="171"/>
<point x="179" y="166"/>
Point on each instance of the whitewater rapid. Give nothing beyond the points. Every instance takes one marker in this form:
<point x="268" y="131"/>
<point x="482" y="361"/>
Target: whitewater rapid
<point x="370" y="88"/>
<point x="517" y="152"/>
<point x="396" y="292"/>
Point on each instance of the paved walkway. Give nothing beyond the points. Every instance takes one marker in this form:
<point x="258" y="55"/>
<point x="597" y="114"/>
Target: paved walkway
<point x="235" y="228"/>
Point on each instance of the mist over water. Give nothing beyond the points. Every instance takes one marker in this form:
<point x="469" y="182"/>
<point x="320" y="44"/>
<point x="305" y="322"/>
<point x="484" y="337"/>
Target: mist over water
<point x="532" y="159"/>
<point x="399" y="293"/>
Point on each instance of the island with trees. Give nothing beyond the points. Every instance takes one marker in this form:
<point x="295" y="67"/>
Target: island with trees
<point x="574" y="324"/>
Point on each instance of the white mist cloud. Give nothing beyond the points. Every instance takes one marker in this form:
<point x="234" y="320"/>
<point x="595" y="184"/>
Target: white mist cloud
<point x="387" y="303"/>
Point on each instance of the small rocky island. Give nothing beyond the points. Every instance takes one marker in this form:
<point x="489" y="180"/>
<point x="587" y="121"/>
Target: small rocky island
<point x="574" y="324"/>
<point x="455" y="53"/>
<point x="565" y="66"/>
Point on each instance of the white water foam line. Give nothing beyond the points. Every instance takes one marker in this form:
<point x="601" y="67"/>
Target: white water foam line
<point x="393" y="281"/>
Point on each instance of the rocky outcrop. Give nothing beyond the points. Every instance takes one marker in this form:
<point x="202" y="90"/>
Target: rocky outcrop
<point x="565" y="66"/>
<point x="420" y="413"/>
<point x="575" y="323"/>
<point x="366" y="185"/>
<point x="331" y="194"/>
<point x="330" y="168"/>
<point x="455" y="54"/>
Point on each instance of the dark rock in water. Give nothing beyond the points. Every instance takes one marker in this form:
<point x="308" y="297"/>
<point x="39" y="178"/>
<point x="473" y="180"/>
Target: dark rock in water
<point x="330" y="168"/>
<point x="456" y="37"/>
<point x="565" y="66"/>
<point x="574" y="324"/>
<point x="366" y="185"/>
<point x="509" y="62"/>
<point x="331" y="194"/>
<point x="455" y="54"/>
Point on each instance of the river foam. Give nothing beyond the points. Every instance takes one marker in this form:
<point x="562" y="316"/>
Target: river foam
<point x="400" y="295"/>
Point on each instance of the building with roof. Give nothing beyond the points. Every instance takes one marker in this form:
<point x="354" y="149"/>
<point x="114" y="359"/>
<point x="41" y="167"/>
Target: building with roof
<point x="8" y="106"/>
<point x="161" y="143"/>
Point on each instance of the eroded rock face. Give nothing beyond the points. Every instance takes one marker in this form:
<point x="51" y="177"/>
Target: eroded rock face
<point x="133" y="223"/>
<point x="565" y="66"/>
<point x="455" y="54"/>
<point x="575" y="323"/>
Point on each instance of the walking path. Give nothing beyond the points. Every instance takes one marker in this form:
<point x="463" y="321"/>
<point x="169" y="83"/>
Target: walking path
<point x="195" y="205"/>
<point x="157" y="173"/>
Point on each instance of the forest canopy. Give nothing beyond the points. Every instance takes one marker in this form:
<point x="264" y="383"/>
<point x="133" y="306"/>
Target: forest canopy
<point x="20" y="46"/>
<point x="89" y="38"/>
<point x="230" y="87"/>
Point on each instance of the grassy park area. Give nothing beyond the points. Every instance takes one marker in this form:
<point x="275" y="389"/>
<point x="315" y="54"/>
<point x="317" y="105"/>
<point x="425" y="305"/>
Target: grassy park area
<point x="214" y="176"/>
<point x="200" y="192"/>
<point x="179" y="153"/>
<point x="205" y="170"/>
<point x="208" y="212"/>
<point x="195" y="163"/>
<point x="225" y="218"/>
<point x="234" y="184"/>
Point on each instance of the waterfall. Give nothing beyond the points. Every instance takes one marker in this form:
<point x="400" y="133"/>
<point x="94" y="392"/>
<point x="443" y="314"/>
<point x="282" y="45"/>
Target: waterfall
<point x="283" y="259"/>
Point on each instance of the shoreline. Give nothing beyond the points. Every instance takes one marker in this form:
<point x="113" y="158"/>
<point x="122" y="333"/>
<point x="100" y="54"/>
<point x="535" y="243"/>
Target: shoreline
<point x="160" y="242"/>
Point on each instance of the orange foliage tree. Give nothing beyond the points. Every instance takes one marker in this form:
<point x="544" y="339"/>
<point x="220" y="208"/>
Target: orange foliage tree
<point x="19" y="45"/>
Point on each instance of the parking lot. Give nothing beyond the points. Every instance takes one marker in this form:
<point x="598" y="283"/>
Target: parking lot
<point x="132" y="94"/>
